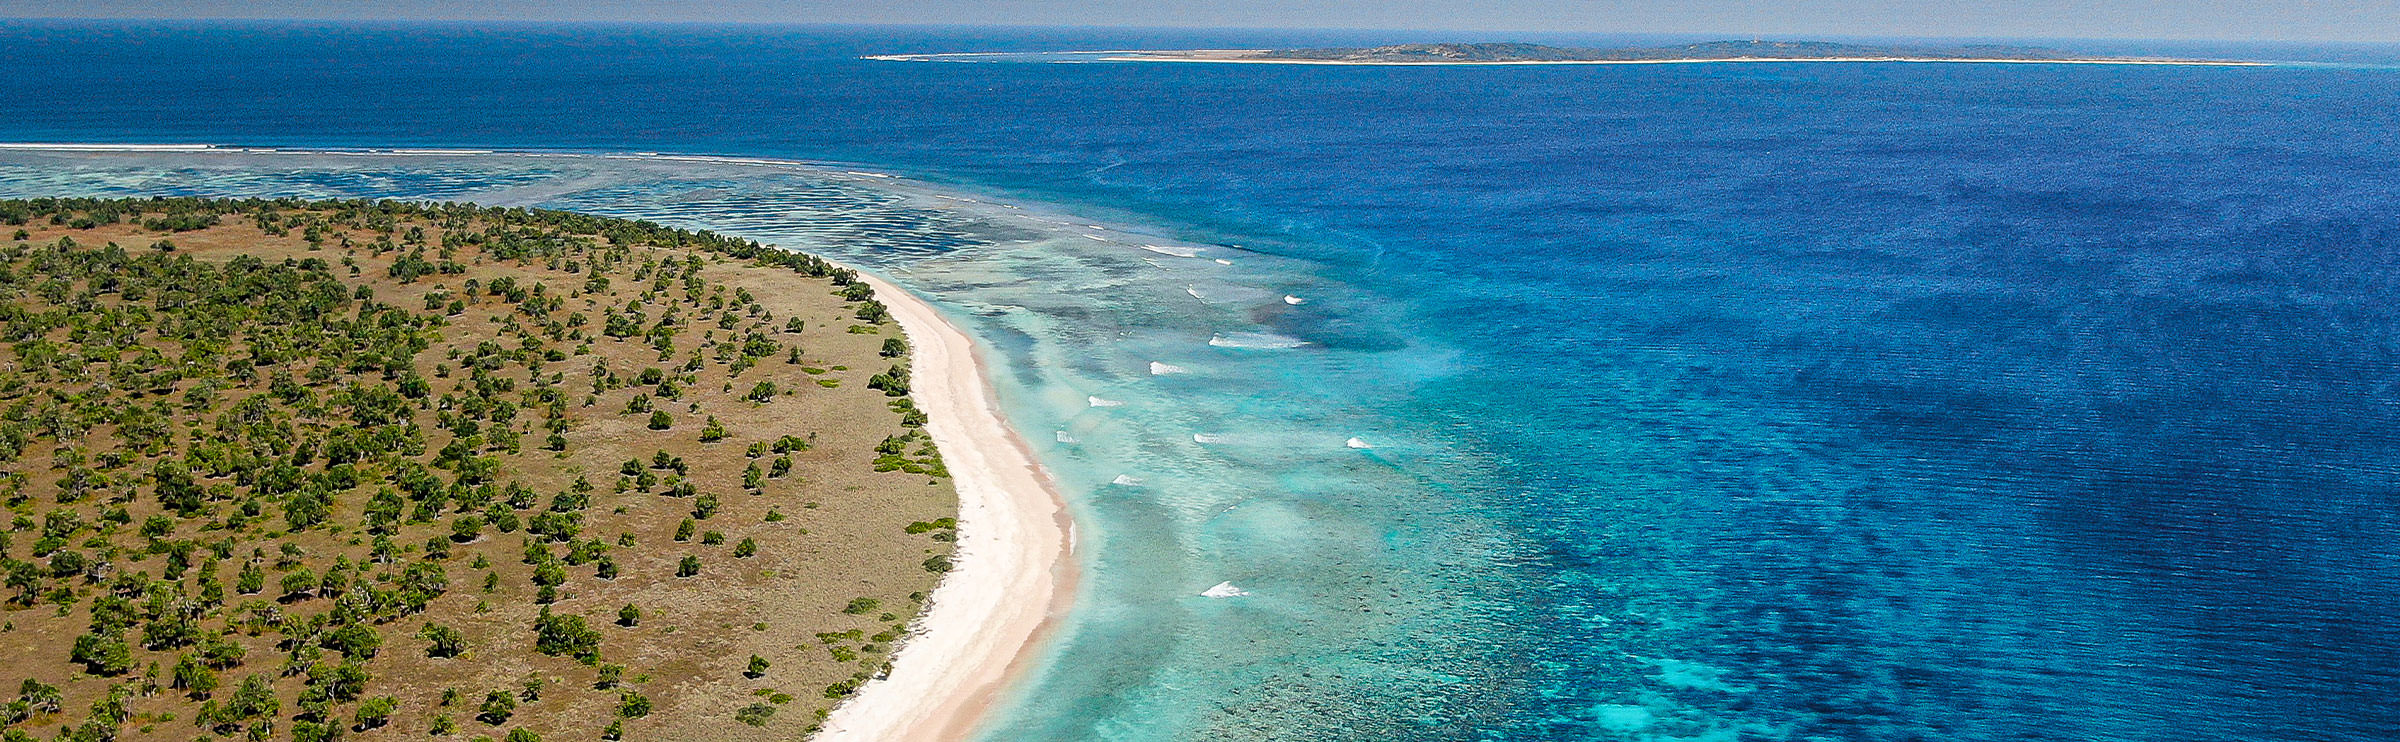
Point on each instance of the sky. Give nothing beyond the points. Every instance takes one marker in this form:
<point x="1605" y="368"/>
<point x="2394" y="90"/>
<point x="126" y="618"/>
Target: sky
<point x="2238" y="20"/>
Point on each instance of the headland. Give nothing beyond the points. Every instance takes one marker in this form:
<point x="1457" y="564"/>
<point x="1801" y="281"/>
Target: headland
<point x="495" y="472"/>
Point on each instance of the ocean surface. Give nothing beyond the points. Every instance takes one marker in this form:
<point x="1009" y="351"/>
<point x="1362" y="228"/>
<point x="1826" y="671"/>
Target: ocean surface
<point x="1710" y="402"/>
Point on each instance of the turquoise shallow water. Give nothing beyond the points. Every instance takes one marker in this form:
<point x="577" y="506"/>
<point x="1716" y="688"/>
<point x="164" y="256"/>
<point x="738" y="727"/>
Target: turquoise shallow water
<point x="1739" y="402"/>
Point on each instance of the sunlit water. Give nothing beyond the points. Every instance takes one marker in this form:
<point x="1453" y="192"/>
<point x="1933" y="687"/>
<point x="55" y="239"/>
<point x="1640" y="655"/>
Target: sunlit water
<point x="1781" y="402"/>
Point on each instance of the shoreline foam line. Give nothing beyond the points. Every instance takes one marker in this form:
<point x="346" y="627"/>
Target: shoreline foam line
<point x="1012" y="572"/>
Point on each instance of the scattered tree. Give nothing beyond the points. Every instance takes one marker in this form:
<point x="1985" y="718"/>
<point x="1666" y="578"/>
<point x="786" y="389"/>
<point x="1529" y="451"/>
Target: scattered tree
<point x="497" y="707"/>
<point x="375" y="712"/>
<point x="442" y="641"/>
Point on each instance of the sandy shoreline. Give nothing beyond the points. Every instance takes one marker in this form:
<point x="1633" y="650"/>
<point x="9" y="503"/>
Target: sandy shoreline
<point x="1012" y="572"/>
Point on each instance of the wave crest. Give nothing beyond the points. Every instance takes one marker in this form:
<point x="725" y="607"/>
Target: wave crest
<point x="1255" y="341"/>
<point x="1224" y="590"/>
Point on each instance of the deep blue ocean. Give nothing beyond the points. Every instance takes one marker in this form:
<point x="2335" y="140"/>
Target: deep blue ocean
<point x="1717" y="402"/>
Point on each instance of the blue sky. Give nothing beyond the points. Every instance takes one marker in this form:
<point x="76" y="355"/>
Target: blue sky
<point x="2313" y="20"/>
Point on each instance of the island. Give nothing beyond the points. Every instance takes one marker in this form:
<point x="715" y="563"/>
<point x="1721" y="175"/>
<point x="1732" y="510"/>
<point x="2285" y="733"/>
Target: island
<point x="285" y="469"/>
<point x="1718" y="51"/>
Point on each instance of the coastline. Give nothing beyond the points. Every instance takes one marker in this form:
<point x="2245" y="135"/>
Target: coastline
<point x="1012" y="573"/>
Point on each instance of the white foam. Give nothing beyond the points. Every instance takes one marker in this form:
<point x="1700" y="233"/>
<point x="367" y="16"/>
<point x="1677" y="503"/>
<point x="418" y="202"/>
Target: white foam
<point x="1162" y="369"/>
<point x="1126" y="480"/>
<point x="1293" y="300"/>
<point x="1180" y="252"/>
<point x="1224" y="590"/>
<point x="1208" y="438"/>
<point x="1222" y="261"/>
<point x="1357" y="443"/>
<point x="1098" y="402"/>
<point x="1095" y="238"/>
<point x="1195" y="293"/>
<point x="1255" y="341"/>
<point x="1063" y="437"/>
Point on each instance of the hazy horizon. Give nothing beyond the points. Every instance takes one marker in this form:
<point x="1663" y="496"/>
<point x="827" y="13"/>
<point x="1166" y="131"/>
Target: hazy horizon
<point x="2351" y="21"/>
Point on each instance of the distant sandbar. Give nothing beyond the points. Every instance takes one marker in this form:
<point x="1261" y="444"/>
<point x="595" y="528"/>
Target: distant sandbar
<point x="1511" y="54"/>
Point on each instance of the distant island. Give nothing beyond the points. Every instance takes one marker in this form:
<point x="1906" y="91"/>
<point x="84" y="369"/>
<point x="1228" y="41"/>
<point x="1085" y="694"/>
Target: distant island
<point x="1715" y="51"/>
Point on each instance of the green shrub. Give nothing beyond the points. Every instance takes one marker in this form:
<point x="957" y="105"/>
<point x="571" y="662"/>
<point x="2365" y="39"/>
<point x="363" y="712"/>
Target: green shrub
<point x="610" y="676"/>
<point x="442" y="641"/>
<point x="193" y="675"/>
<point x="497" y="707"/>
<point x="755" y="714"/>
<point x="632" y="705"/>
<point x="566" y="635"/>
<point x="106" y="655"/>
<point x="376" y="712"/>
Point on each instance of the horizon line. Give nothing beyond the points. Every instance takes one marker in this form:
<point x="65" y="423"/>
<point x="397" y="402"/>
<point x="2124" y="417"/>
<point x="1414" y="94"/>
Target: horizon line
<point x="636" y="23"/>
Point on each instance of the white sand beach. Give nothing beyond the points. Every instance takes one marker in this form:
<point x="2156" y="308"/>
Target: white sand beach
<point x="1013" y="569"/>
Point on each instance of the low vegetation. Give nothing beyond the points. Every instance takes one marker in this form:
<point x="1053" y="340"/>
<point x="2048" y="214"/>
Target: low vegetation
<point x="315" y="470"/>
